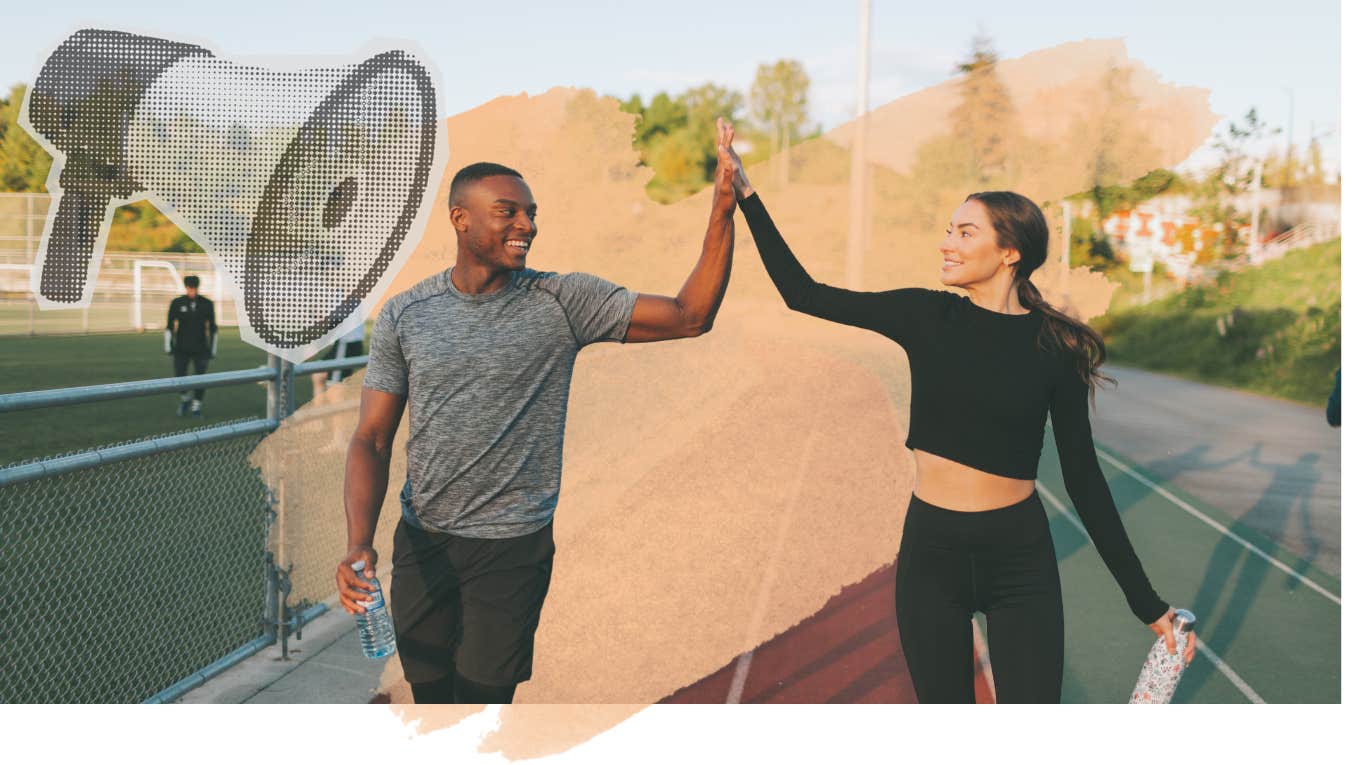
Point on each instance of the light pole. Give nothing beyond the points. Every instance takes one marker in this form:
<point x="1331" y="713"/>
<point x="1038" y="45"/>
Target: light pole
<point x="857" y="241"/>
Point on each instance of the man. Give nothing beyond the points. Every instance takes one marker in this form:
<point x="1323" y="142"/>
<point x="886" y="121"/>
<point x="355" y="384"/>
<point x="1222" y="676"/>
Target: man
<point x="483" y="352"/>
<point x="1334" y="403"/>
<point x="191" y="335"/>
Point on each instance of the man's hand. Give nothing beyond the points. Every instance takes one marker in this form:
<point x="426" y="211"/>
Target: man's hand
<point x="724" y="194"/>
<point x="353" y="589"/>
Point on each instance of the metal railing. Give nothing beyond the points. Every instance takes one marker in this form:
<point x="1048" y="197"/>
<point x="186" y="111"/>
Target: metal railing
<point x="140" y="570"/>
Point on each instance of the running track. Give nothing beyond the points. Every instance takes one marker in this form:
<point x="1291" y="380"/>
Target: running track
<point x="1270" y="626"/>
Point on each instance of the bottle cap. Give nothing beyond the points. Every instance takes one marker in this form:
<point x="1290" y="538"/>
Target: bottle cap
<point x="1184" y="621"/>
<point x="358" y="565"/>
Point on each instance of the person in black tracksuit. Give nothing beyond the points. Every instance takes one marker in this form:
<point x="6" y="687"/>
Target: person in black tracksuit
<point x="191" y="335"/>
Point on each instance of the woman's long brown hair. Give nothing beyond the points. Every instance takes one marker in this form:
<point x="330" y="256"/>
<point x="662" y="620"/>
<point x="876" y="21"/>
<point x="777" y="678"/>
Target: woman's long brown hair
<point x="1020" y="225"/>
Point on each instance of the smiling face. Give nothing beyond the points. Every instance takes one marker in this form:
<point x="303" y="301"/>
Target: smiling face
<point x="494" y="221"/>
<point x="970" y="251"/>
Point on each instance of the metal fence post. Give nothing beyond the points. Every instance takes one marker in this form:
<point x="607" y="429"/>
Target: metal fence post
<point x="281" y="618"/>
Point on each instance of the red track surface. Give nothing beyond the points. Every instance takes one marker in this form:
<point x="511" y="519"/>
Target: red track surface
<point x="847" y="652"/>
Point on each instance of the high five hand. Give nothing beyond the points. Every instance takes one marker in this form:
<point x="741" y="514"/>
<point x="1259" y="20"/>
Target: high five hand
<point x="724" y="195"/>
<point x="740" y="183"/>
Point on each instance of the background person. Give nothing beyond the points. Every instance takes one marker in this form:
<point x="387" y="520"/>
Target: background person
<point x="191" y="336"/>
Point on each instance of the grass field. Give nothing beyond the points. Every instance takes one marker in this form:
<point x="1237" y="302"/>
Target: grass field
<point x="61" y="361"/>
<point x="1274" y="329"/>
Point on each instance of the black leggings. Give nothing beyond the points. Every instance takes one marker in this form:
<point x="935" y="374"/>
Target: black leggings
<point x="1000" y="562"/>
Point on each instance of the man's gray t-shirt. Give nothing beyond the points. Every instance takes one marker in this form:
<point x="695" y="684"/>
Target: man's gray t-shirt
<point x="486" y="379"/>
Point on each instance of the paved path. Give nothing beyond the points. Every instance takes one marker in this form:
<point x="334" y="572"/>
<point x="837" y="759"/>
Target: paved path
<point x="1272" y="466"/>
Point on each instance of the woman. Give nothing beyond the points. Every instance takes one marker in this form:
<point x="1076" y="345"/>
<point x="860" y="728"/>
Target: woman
<point x="987" y="370"/>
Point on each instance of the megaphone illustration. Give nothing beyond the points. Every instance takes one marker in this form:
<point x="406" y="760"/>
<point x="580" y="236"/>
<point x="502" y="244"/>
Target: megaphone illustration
<point x="302" y="184"/>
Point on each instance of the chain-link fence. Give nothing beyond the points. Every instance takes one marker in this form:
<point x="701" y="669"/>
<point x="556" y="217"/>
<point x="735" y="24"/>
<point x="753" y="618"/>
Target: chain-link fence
<point x="136" y="570"/>
<point x="304" y="462"/>
<point x="124" y="578"/>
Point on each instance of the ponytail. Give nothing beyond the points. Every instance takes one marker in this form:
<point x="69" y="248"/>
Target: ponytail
<point x="1063" y="334"/>
<point x="1020" y="225"/>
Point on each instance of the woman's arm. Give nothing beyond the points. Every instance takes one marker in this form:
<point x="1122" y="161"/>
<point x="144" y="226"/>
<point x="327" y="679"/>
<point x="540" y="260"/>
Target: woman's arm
<point x="871" y="310"/>
<point x="1091" y="495"/>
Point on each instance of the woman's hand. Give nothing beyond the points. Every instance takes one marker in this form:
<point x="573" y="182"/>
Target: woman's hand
<point x="1165" y="628"/>
<point x="740" y="182"/>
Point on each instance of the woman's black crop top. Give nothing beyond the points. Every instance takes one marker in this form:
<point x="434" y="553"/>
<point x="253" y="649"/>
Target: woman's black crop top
<point x="982" y="391"/>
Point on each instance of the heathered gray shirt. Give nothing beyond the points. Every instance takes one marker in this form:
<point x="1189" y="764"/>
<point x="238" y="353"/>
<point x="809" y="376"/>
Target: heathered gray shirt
<point x="486" y="378"/>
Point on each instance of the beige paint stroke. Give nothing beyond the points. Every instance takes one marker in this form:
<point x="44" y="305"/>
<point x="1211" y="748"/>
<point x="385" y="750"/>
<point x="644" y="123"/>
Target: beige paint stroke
<point x="716" y="491"/>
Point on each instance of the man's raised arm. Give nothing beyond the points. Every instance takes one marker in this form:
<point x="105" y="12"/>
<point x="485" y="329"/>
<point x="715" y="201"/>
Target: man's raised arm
<point x="691" y="312"/>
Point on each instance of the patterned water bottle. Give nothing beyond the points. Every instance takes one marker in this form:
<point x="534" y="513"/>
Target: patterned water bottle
<point x="375" y="623"/>
<point x="1163" y="670"/>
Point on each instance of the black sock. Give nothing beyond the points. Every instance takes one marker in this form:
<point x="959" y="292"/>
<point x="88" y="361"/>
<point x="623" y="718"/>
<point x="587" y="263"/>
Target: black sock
<point x="439" y="691"/>
<point x="469" y="692"/>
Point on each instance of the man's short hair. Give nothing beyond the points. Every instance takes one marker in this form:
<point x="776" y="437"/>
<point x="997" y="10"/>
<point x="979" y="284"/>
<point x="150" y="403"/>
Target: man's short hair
<point x="475" y="172"/>
<point x="191" y="281"/>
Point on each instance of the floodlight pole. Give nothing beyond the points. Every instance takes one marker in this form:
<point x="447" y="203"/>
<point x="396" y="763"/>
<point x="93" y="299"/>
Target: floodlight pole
<point x="857" y="241"/>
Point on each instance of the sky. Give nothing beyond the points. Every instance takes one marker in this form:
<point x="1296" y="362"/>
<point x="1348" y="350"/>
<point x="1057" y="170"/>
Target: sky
<point x="1246" y="52"/>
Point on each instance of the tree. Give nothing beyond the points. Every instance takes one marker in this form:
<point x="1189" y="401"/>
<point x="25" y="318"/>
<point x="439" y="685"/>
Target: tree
<point x="985" y="115"/>
<point x="23" y="163"/>
<point x="778" y="102"/>
<point x="1236" y="150"/>
<point x="674" y="137"/>
<point x="1232" y="175"/>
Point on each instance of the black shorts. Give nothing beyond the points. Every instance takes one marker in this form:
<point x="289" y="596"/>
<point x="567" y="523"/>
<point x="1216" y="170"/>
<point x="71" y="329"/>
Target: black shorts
<point x="469" y="604"/>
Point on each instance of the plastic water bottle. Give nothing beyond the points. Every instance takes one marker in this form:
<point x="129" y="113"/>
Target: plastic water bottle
<point x="1163" y="670"/>
<point x="375" y="623"/>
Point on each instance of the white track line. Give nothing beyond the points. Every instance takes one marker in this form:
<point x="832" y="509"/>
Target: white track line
<point x="1218" y="526"/>
<point x="767" y="580"/>
<point x="1200" y="645"/>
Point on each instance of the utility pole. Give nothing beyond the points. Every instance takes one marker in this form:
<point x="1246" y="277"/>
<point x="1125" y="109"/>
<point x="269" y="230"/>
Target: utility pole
<point x="1289" y="147"/>
<point x="1254" y="243"/>
<point x="857" y="241"/>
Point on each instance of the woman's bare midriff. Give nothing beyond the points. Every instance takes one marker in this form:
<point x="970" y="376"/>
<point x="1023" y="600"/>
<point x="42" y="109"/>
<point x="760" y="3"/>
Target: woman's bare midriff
<point x="956" y="486"/>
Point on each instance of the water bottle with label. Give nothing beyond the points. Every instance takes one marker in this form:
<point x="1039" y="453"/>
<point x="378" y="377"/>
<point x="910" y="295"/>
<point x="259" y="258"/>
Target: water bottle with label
<point x="375" y="623"/>
<point x="1163" y="670"/>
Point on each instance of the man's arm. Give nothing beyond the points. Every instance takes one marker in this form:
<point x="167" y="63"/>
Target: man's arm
<point x="169" y="327"/>
<point x="691" y="312"/>
<point x="366" y="474"/>
<point x="212" y="329"/>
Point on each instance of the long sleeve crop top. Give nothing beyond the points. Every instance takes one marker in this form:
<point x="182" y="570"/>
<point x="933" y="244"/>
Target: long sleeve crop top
<point x="982" y="391"/>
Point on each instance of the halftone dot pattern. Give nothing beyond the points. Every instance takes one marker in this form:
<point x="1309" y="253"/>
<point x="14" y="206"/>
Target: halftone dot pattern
<point x="302" y="183"/>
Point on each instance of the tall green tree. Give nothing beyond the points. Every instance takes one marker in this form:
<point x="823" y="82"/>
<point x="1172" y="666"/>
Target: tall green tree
<point x="778" y="102"/>
<point x="985" y="117"/>
<point x="1237" y="149"/>
<point x="1237" y="152"/>
<point x="23" y="163"/>
<point x="674" y="137"/>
